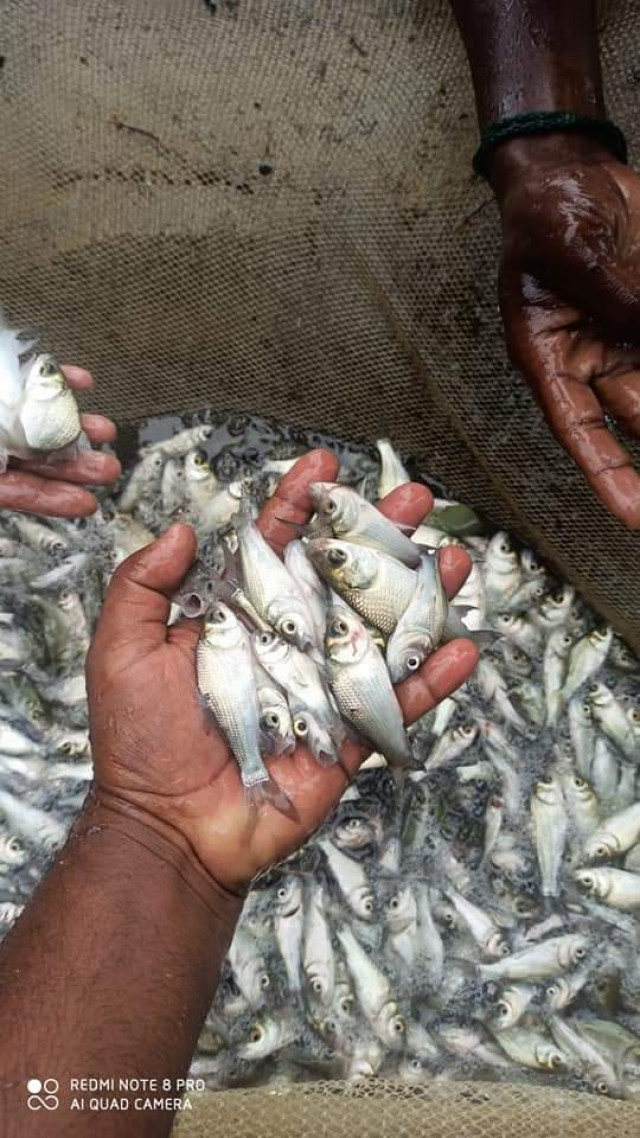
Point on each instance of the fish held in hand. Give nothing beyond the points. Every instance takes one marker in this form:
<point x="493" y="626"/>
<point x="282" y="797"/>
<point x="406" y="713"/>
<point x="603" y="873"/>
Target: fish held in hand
<point x="225" y="679"/>
<point x="352" y="518"/>
<point x="374" y="585"/>
<point x="421" y="626"/>
<point x="360" y="682"/>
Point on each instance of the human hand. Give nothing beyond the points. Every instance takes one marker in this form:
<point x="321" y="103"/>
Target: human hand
<point x="55" y="488"/>
<point x="570" y="298"/>
<point x="155" y="745"/>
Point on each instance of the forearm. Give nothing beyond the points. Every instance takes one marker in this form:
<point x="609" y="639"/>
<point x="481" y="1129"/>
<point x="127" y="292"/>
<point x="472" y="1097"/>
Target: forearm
<point x="531" y="55"/>
<point x="109" y="974"/>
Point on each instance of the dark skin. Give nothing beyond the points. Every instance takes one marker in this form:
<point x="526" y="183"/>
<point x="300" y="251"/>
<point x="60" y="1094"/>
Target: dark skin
<point x="112" y="967"/>
<point x="570" y="266"/>
<point x="59" y="489"/>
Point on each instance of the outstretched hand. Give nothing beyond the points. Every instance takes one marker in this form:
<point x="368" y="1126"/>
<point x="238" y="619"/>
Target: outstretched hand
<point x="57" y="489"/>
<point x="154" y="743"/>
<point x="570" y="299"/>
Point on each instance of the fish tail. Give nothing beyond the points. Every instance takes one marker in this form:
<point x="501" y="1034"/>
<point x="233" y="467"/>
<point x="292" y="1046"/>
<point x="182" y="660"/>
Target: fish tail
<point x="266" y="792"/>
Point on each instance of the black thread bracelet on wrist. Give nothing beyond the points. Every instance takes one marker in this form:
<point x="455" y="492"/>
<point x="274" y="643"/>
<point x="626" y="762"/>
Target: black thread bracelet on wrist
<point x="545" y="122"/>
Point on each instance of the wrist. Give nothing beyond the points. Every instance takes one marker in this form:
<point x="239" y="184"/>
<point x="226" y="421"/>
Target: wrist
<point x="106" y="812"/>
<point x="517" y="158"/>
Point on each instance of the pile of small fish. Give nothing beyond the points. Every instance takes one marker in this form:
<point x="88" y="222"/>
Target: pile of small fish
<point x="472" y="914"/>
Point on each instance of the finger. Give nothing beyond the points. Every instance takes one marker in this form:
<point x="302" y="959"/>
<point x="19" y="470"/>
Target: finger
<point x="455" y="566"/>
<point x="620" y="395"/>
<point x="543" y="350"/>
<point x="440" y="675"/>
<point x="137" y="603"/>
<point x="77" y="377"/>
<point x="292" y="502"/>
<point x="20" y="490"/>
<point x="98" y="429"/>
<point x="90" y="467"/>
<point x="407" y="505"/>
<point x="577" y="420"/>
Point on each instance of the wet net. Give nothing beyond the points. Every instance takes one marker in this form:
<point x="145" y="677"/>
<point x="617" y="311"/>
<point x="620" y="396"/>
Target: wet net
<point x="270" y="207"/>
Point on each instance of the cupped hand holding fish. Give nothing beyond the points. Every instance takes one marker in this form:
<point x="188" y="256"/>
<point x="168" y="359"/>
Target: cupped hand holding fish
<point x="156" y="750"/>
<point x="58" y="489"/>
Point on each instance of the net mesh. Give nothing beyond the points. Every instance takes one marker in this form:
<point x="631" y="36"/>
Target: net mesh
<point x="384" y="1109"/>
<point x="269" y="207"/>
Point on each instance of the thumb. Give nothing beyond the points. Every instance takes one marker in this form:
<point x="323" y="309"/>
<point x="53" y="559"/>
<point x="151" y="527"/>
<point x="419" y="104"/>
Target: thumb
<point x="137" y="603"/>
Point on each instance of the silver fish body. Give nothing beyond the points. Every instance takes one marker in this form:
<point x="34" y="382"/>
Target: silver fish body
<point x="225" y="679"/>
<point x="377" y="587"/>
<point x="362" y="688"/>
<point x="421" y="626"/>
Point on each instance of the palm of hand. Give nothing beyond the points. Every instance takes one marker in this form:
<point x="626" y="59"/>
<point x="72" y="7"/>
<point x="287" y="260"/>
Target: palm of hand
<point x="154" y="742"/>
<point x="570" y="297"/>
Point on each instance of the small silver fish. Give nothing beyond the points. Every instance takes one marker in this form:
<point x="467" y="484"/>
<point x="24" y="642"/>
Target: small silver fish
<point x="362" y="688"/>
<point x="374" y="585"/>
<point x="421" y="626"/>
<point x="351" y="518"/>
<point x="225" y="679"/>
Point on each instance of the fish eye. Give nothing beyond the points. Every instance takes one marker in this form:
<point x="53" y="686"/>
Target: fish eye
<point x="449" y="920"/>
<point x="301" y="727"/>
<point x="602" y="1087"/>
<point x="579" y="783"/>
<point x="353" y="824"/>
<point x="367" y="905"/>
<point x="555" y="1060"/>
<point x="340" y="627"/>
<point x="398" y="1025"/>
<point x="635" y="715"/>
<point x="271" y="719"/>
<point x="255" y="1035"/>
<point x="415" y="1064"/>
<point x="601" y="851"/>
<point x="558" y="597"/>
<point x="289" y="627"/>
<point x="552" y="991"/>
<point x="566" y="640"/>
<point x="66" y="747"/>
<point x="265" y="638"/>
<point x="504" y="547"/>
<point x="545" y="780"/>
<point x="336" y="556"/>
<point x="594" y="689"/>
<point x="394" y="903"/>
<point x="331" y="506"/>
<point x="467" y="732"/>
<point x="346" y="1003"/>
<point x="15" y="845"/>
<point x="504" y="950"/>
<point x="282" y="893"/>
<point x="199" y="459"/>
<point x="317" y="986"/>
<point x="48" y="367"/>
<point x="413" y="663"/>
<point x="580" y="953"/>
<point x="264" y="980"/>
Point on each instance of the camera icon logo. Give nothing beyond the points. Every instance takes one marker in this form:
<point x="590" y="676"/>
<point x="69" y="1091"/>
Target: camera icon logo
<point x="43" y="1095"/>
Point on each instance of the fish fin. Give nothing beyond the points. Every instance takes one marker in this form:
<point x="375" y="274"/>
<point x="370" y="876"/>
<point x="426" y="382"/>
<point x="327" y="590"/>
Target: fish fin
<point x="457" y="626"/>
<point x="267" y="792"/>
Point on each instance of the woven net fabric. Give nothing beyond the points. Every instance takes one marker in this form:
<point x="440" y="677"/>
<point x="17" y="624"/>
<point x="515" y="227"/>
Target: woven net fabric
<point x="382" y="1109"/>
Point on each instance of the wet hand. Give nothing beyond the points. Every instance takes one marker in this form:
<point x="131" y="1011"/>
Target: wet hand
<point x="570" y="299"/>
<point x="156" y="746"/>
<point x="57" y="489"/>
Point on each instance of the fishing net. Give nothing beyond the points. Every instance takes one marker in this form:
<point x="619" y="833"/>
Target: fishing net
<point x="269" y="207"/>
